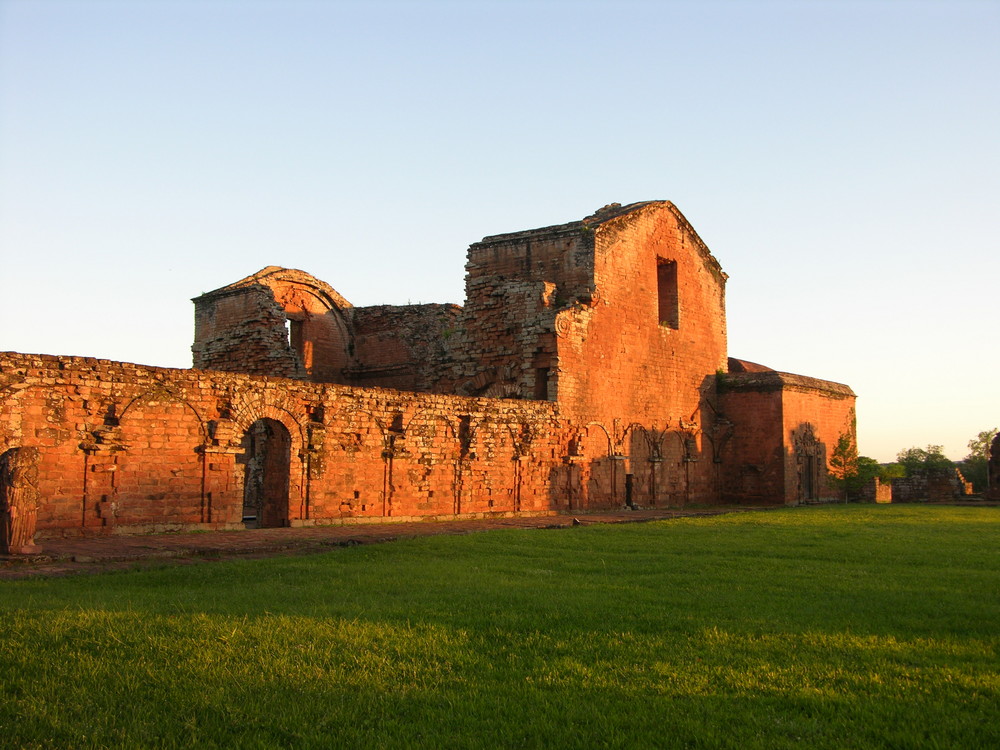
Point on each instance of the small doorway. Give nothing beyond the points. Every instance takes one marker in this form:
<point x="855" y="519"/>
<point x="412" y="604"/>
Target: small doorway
<point x="267" y="453"/>
<point x="809" y="477"/>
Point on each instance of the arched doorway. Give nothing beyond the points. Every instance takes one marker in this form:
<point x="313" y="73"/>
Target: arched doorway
<point x="267" y="455"/>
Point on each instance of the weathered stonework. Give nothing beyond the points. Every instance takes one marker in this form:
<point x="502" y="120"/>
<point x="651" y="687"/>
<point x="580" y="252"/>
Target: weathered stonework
<point x="932" y="486"/>
<point x="784" y="427"/>
<point x="587" y="369"/>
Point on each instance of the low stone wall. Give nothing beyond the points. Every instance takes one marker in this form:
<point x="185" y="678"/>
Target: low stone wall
<point x="124" y="448"/>
<point x="931" y="487"/>
<point x="129" y="448"/>
<point x="876" y="491"/>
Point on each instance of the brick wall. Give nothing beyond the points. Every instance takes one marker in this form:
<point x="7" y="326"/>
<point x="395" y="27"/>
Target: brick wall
<point x="244" y="330"/>
<point x="876" y="491"/>
<point x="572" y="313"/>
<point x="280" y="322"/>
<point x="993" y="470"/>
<point x="583" y="372"/>
<point x="615" y="359"/>
<point x="785" y="428"/>
<point x="930" y="486"/>
<point x="755" y="452"/>
<point x="408" y="347"/>
<point x="126" y="448"/>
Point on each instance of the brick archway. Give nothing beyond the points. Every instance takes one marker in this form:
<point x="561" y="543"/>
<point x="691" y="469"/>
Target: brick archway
<point x="266" y="460"/>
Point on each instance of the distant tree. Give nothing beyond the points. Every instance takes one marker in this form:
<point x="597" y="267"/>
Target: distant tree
<point x="974" y="466"/>
<point x="888" y="472"/>
<point x="860" y="472"/>
<point x="844" y="465"/>
<point x="979" y="446"/>
<point x="868" y="469"/>
<point x="931" y="458"/>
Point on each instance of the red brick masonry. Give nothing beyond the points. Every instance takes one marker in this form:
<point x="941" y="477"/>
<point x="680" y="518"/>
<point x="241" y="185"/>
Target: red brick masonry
<point x="587" y="370"/>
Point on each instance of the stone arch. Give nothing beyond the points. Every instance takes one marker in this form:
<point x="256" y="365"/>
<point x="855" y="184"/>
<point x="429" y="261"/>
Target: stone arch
<point x="267" y="446"/>
<point x="361" y="450"/>
<point x="248" y="407"/>
<point x="278" y="321"/>
<point x="317" y="331"/>
<point x="273" y="408"/>
<point x="317" y="328"/>
<point x="648" y="465"/>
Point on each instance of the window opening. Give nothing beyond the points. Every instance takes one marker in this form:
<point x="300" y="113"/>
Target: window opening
<point x="542" y="384"/>
<point x="666" y="290"/>
<point x="295" y="335"/>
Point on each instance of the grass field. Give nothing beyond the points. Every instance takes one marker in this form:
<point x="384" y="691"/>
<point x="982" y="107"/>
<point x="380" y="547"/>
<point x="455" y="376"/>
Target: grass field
<point x="848" y="626"/>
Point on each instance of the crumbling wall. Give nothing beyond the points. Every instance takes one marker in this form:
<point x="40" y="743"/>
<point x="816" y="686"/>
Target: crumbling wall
<point x="876" y="491"/>
<point x="933" y="486"/>
<point x="244" y="330"/>
<point x="515" y="285"/>
<point x="407" y="347"/>
<point x="572" y="313"/>
<point x="589" y="363"/>
<point x="125" y="448"/>
<point x="280" y="322"/>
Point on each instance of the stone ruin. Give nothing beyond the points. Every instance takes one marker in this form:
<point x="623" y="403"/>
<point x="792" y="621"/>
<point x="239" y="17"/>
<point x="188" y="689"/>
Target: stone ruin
<point x="588" y="369"/>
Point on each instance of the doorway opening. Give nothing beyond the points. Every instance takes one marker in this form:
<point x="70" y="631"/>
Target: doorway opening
<point x="267" y="454"/>
<point x="809" y="482"/>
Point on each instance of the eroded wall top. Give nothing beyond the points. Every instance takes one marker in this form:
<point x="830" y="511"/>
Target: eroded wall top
<point x="278" y="321"/>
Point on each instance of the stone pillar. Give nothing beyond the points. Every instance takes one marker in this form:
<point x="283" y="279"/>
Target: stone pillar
<point x="18" y="501"/>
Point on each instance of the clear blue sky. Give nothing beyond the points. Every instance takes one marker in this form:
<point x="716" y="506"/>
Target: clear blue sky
<point x="841" y="159"/>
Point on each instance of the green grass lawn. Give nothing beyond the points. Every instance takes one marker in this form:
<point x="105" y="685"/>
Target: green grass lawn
<point x="848" y="626"/>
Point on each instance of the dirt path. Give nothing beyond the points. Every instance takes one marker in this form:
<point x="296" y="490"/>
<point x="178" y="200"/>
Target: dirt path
<point x="99" y="554"/>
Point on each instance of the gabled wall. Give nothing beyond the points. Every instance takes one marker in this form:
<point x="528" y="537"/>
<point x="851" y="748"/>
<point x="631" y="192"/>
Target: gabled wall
<point x="575" y="313"/>
<point x="616" y="359"/>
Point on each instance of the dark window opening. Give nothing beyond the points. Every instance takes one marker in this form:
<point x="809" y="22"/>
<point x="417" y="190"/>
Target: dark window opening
<point x="666" y="291"/>
<point x="295" y="335"/>
<point x="542" y="384"/>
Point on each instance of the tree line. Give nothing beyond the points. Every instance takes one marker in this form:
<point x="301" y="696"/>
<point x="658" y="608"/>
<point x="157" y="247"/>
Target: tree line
<point x="851" y="472"/>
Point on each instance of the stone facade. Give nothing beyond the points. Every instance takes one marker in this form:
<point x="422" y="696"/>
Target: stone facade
<point x="128" y="448"/>
<point x="587" y="369"/>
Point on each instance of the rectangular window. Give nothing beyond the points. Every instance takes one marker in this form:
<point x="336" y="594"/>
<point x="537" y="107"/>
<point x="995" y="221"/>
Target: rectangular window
<point x="542" y="383"/>
<point x="666" y="291"/>
<point x="295" y="334"/>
